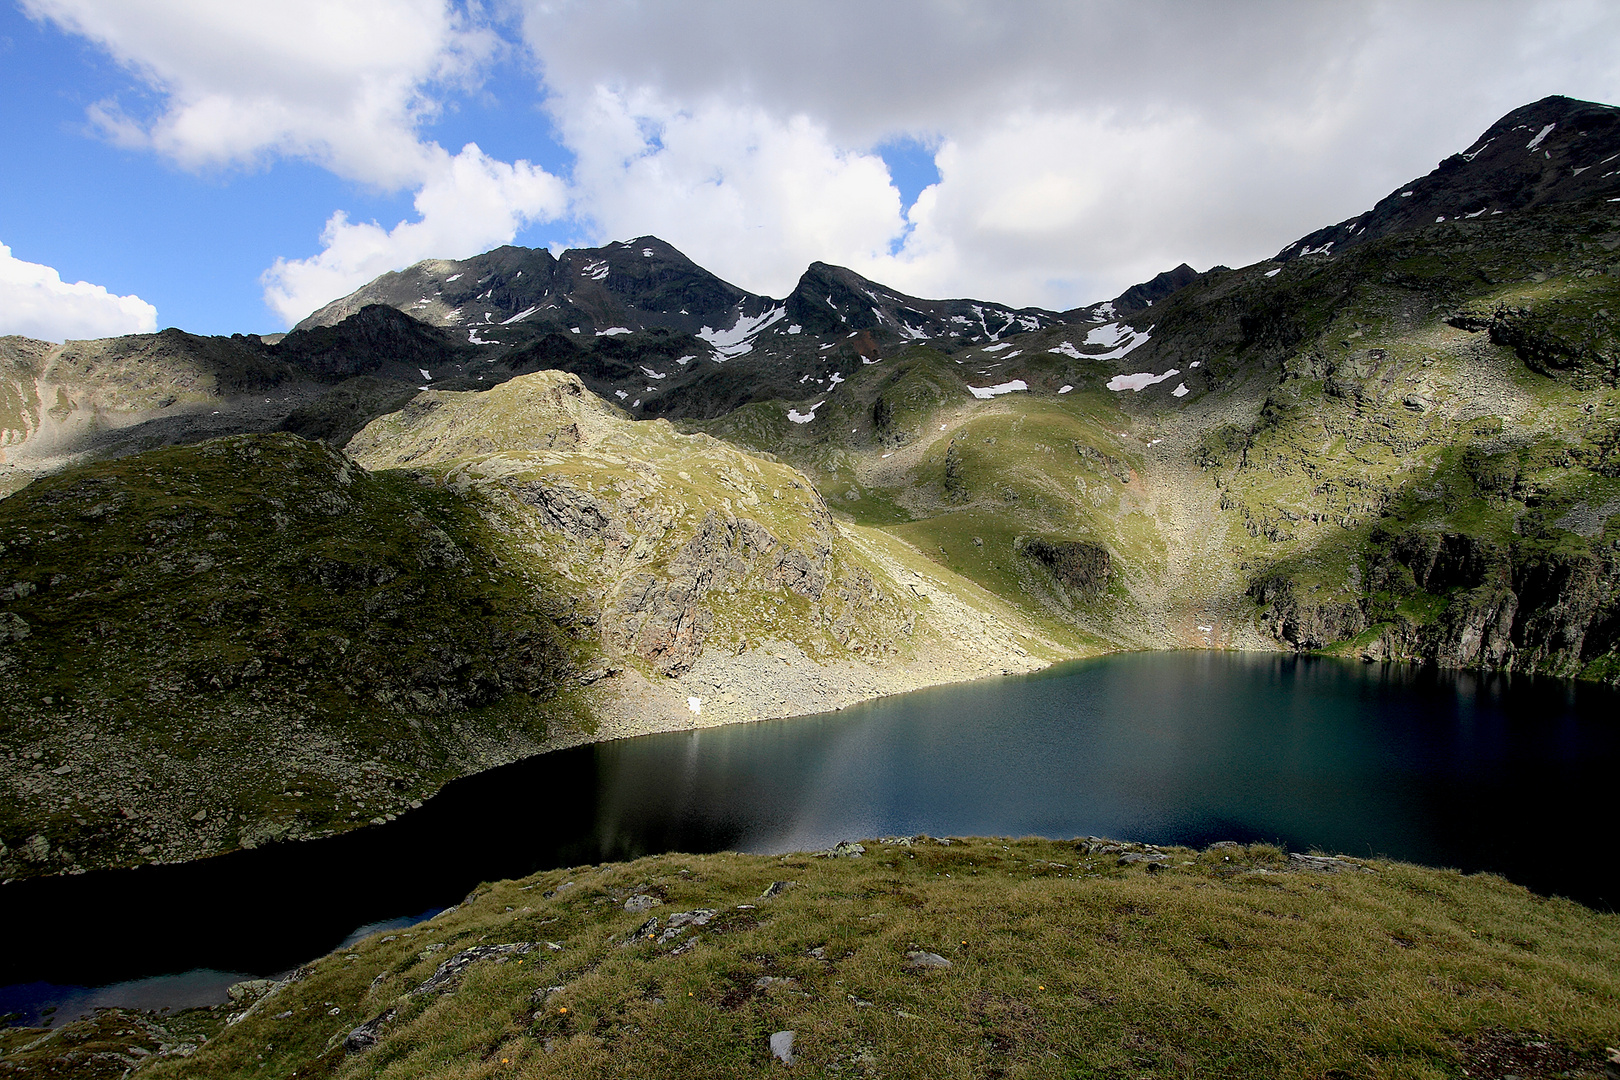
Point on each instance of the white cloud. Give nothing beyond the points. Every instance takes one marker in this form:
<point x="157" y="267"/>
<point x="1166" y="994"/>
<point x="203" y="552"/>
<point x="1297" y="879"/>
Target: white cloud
<point x="1083" y="147"/>
<point x="750" y="196"/>
<point x="345" y="84"/>
<point x="35" y="302"/>
<point x="470" y="204"/>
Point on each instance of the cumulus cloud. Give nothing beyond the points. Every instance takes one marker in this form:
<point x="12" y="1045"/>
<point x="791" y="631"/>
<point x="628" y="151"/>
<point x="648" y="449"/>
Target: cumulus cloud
<point x="345" y="84"/>
<point x="35" y="302"/>
<point x="470" y="204"/>
<point x="1082" y="147"/>
<point x="756" y="196"/>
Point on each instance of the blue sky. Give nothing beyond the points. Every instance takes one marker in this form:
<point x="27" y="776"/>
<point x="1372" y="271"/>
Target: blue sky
<point x="1036" y="152"/>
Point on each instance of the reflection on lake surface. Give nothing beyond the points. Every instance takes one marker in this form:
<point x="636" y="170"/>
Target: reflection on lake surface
<point x="1481" y="772"/>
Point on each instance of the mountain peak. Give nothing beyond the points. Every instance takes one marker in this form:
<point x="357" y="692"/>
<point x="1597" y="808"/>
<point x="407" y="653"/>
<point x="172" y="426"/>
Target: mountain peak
<point x="1558" y="149"/>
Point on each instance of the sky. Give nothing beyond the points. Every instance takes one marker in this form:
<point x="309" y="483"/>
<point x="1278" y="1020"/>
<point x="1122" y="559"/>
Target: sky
<point x="231" y="167"/>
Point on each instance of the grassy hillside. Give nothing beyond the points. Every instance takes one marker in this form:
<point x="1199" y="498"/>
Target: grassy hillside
<point x="693" y="555"/>
<point x="212" y="646"/>
<point x="1408" y="452"/>
<point x="928" y="958"/>
<point x="256" y="638"/>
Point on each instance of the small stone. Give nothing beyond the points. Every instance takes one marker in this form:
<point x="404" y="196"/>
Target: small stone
<point x="697" y="917"/>
<point x="775" y="889"/>
<point x="200" y="815"/>
<point x="641" y="902"/>
<point x="919" y="960"/>
<point x="782" y="1047"/>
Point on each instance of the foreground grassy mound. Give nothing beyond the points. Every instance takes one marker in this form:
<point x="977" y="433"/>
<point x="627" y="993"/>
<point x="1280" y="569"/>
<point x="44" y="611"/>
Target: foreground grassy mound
<point x="931" y="958"/>
<point x="252" y="638"/>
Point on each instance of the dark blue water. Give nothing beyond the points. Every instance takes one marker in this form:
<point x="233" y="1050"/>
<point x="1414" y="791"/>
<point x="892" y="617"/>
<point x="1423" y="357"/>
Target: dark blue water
<point x="1481" y="772"/>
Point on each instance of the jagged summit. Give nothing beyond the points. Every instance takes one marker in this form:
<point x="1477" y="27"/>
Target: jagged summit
<point x="1554" y="150"/>
<point x="832" y="299"/>
<point x="1139" y="297"/>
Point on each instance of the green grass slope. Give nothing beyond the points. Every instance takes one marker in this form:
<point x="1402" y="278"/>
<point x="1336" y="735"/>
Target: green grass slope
<point x="930" y="958"/>
<point x="1409" y="451"/>
<point x="212" y="646"/>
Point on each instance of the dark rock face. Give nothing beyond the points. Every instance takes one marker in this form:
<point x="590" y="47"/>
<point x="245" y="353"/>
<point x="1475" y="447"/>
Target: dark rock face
<point x="1570" y="338"/>
<point x="1082" y="565"/>
<point x="1555" y="150"/>
<point x="1140" y="297"/>
<point x="1300" y="623"/>
<point x="1534" y="607"/>
<point x="376" y="340"/>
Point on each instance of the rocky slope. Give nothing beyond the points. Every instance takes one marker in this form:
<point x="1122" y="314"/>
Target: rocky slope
<point x="256" y="637"/>
<point x="1403" y="451"/>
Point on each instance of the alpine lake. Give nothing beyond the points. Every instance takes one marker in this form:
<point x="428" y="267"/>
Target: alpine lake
<point x="1499" y="773"/>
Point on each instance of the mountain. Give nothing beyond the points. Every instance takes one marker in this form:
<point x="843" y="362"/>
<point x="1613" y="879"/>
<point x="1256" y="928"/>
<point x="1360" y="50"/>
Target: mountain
<point x="1402" y="450"/>
<point x="644" y="325"/>
<point x="1555" y="150"/>
<point x="1403" y="446"/>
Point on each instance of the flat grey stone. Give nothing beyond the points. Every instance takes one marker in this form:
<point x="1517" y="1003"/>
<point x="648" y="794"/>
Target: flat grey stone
<point x="918" y="959"/>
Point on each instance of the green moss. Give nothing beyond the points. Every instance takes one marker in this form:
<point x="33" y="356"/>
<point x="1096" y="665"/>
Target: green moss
<point x="1061" y="962"/>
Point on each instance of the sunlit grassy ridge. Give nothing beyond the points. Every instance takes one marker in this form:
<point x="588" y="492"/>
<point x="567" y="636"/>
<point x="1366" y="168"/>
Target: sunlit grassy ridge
<point x="1062" y="962"/>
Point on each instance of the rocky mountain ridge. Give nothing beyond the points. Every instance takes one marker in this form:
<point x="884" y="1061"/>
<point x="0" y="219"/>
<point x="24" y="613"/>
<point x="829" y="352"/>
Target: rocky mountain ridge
<point x="1554" y="150"/>
<point x="1404" y="449"/>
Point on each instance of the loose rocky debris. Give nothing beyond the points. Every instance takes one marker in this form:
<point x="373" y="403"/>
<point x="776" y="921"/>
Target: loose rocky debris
<point x="782" y="1046"/>
<point x="449" y="973"/>
<point x="1530" y="1056"/>
<point x="1326" y="864"/>
<point x="775" y="889"/>
<point x="844" y="849"/>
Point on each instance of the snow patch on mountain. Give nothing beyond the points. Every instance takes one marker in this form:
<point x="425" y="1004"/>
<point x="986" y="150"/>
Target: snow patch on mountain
<point x="798" y="417"/>
<point x="985" y="393"/>
<point x="1140" y="380"/>
<point x="738" y="340"/>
